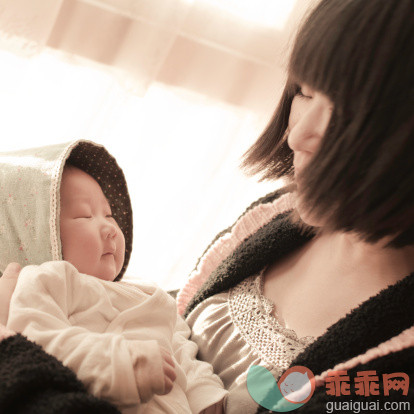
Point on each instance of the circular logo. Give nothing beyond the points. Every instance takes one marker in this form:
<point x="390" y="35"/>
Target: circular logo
<point x="294" y="388"/>
<point x="297" y="384"/>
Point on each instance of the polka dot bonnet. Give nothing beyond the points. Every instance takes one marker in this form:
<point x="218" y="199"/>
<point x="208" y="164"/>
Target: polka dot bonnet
<point x="96" y="161"/>
<point x="30" y="182"/>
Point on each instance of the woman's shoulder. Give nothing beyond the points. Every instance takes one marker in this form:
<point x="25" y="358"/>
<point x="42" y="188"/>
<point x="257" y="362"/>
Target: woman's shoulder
<point x="278" y="201"/>
<point x="247" y="236"/>
<point x="271" y="197"/>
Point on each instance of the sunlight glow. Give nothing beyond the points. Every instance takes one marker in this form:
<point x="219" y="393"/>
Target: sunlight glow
<point x="29" y="161"/>
<point x="180" y="152"/>
<point x="271" y="13"/>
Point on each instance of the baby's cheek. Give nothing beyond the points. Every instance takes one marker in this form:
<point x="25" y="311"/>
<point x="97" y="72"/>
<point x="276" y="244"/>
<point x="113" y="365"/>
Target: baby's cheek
<point x="80" y="241"/>
<point x="121" y="242"/>
<point x="120" y="256"/>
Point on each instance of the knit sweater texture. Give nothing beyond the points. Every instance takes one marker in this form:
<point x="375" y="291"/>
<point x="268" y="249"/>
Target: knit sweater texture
<point x="376" y="336"/>
<point x="33" y="382"/>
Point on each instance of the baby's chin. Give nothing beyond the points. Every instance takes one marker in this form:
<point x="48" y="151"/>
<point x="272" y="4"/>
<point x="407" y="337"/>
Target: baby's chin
<point x="110" y="276"/>
<point x="108" y="272"/>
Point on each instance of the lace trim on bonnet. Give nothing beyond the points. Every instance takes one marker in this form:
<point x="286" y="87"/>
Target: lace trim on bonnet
<point x="55" y="202"/>
<point x="251" y="313"/>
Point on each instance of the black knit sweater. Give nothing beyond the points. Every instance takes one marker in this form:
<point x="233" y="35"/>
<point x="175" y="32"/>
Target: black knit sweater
<point x="33" y="382"/>
<point x="375" y="321"/>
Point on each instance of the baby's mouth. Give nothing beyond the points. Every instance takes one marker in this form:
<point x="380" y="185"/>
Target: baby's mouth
<point x="109" y="253"/>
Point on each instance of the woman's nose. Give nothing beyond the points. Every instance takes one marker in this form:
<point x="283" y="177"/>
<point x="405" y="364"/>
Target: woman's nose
<point x="305" y="134"/>
<point x="307" y="130"/>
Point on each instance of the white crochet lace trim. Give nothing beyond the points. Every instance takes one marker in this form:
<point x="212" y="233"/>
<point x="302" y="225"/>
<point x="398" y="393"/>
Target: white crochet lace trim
<point x="251" y="313"/>
<point x="56" y="175"/>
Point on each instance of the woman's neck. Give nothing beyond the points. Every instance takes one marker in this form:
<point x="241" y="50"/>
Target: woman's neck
<point x="353" y="257"/>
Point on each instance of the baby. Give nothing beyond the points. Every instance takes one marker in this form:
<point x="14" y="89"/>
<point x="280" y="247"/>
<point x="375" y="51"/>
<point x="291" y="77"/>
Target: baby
<point x="124" y="341"/>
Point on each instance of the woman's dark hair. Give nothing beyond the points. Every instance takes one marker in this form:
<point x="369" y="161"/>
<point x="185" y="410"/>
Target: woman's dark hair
<point x="360" y="54"/>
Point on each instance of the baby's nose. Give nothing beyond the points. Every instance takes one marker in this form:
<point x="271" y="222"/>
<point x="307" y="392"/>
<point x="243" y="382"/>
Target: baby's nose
<point x="109" y="231"/>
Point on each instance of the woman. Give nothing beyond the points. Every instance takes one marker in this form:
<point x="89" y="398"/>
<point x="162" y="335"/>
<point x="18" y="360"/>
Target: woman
<point x="322" y="274"/>
<point x="322" y="271"/>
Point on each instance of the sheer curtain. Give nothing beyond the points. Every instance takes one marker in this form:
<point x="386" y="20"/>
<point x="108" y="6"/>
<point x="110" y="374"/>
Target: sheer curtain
<point x="176" y="89"/>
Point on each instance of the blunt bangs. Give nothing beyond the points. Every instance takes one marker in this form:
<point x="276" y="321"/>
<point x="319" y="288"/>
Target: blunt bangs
<point x="361" y="179"/>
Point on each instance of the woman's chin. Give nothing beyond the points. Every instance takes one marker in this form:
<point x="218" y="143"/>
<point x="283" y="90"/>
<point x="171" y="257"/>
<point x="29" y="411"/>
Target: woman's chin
<point x="305" y="215"/>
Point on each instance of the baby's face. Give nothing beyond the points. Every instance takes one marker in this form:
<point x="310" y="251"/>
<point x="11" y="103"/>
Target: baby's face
<point x="91" y="238"/>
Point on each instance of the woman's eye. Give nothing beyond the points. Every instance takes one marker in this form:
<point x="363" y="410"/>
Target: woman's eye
<point x="302" y="95"/>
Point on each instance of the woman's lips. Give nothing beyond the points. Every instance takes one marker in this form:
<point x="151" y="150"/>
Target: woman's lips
<point x="300" y="161"/>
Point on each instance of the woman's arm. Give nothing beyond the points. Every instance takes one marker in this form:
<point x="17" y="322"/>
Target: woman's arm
<point x="47" y="298"/>
<point x="205" y="391"/>
<point x="31" y="381"/>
